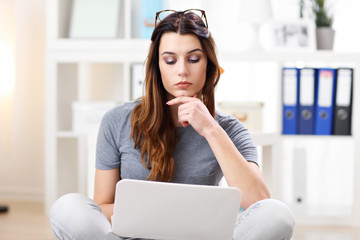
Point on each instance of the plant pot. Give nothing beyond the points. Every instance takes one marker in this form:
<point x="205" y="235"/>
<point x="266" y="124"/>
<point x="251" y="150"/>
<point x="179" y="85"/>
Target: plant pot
<point x="325" y="38"/>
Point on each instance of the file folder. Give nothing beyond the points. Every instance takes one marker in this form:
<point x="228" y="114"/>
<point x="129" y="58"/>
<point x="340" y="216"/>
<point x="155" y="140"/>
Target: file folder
<point x="307" y="77"/>
<point x="290" y="99"/>
<point x="325" y="101"/>
<point x="343" y="102"/>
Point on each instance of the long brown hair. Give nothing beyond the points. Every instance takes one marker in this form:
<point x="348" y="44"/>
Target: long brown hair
<point x="151" y="125"/>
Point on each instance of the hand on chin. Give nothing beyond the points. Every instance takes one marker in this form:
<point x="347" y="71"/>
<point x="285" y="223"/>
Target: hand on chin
<point x="180" y="94"/>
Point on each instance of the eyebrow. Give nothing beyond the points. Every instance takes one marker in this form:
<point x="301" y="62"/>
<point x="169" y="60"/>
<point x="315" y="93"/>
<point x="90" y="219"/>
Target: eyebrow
<point x="172" y="53"/>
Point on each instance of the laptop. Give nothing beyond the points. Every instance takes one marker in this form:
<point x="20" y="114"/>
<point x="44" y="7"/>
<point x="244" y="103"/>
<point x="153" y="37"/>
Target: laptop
<point x="172" y="211"/>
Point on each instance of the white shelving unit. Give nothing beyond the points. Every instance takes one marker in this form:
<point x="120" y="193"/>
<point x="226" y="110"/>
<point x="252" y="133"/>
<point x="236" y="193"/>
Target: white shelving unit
<point x="318" y="215"/>
<point x="100" y="70"/>
<point x="81" y="70"/>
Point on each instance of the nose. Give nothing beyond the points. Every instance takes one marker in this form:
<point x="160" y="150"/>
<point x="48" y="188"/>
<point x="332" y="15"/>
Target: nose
<point x="182" y="68"/>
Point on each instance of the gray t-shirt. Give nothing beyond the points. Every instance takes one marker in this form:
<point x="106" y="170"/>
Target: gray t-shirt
<point x="195" y="162"/>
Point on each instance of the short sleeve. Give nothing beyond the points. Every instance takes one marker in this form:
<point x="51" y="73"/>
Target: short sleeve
<point x="107" y="151"/>
<point x="240" y="136"/>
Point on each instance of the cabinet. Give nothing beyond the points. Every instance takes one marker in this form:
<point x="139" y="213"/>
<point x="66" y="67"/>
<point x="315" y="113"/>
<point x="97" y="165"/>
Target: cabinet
<point x="87" y="70"/>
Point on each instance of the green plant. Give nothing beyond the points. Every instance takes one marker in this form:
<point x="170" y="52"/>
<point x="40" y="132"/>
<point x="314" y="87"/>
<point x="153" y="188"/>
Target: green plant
<point x="322" y="16"/>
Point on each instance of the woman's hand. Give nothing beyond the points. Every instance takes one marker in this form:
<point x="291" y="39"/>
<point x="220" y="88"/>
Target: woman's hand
<point x="237" y="170"/>
<point x="192" y="111"/>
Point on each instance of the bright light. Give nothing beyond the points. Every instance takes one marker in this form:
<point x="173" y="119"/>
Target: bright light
<point x="7" y="68"/>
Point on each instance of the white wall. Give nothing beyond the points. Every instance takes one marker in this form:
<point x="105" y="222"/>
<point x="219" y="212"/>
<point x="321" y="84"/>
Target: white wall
<point x="22" y="114"/>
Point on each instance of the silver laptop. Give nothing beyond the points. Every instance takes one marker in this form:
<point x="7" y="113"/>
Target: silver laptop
<point x="171" y="211"/>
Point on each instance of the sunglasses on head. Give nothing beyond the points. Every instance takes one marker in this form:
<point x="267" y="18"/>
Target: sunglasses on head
<point x="161" y="15"/>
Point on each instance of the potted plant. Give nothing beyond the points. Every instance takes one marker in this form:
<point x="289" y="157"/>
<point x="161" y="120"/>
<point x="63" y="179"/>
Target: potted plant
<point x="323" y="20"/>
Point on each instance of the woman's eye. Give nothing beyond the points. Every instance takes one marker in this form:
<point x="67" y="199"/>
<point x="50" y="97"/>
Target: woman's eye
<point x="194" y="60"/>
<point x="170" y="61"/>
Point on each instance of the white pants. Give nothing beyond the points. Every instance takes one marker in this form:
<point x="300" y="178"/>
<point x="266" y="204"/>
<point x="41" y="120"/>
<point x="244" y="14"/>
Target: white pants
<point x="75" y="216"/>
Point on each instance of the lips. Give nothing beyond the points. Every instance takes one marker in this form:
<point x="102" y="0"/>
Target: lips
<point x="183" y="84"/>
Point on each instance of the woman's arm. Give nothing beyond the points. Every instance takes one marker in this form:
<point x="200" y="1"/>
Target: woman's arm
<point x="104" y="194"/>
<point x="237" y="170"/>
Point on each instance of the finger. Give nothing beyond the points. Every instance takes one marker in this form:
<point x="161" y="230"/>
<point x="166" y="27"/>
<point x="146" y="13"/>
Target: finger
<point x="179" y="100"/>
<point x="184" y="106"/>
<point x="184" y="120"/>
<point x="191" y="108"/>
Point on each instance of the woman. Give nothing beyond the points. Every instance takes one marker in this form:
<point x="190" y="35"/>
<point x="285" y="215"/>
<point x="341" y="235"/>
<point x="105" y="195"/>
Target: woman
<point x="173" y="134"/>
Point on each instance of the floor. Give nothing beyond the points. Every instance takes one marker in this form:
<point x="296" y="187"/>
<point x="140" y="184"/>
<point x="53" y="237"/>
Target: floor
<point x="27" y="220"/>
<point x="24" y="220"/>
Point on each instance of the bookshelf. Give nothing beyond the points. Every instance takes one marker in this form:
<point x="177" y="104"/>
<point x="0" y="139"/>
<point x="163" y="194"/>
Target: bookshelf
<point x="344" y="148"/>
<point x="107" y="62"/>
<point x="81" y="70"/>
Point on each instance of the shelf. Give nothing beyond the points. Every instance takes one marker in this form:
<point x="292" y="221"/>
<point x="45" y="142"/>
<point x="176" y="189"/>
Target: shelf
<point x="288" y="56"/>
<point x="136" y="49"/>
<point x="69" y="134"/>
<point x="99" y="44"/>
<point x="104" y="51"/>
<point x="317" y="137"/>
<point x="265" y="139"/>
